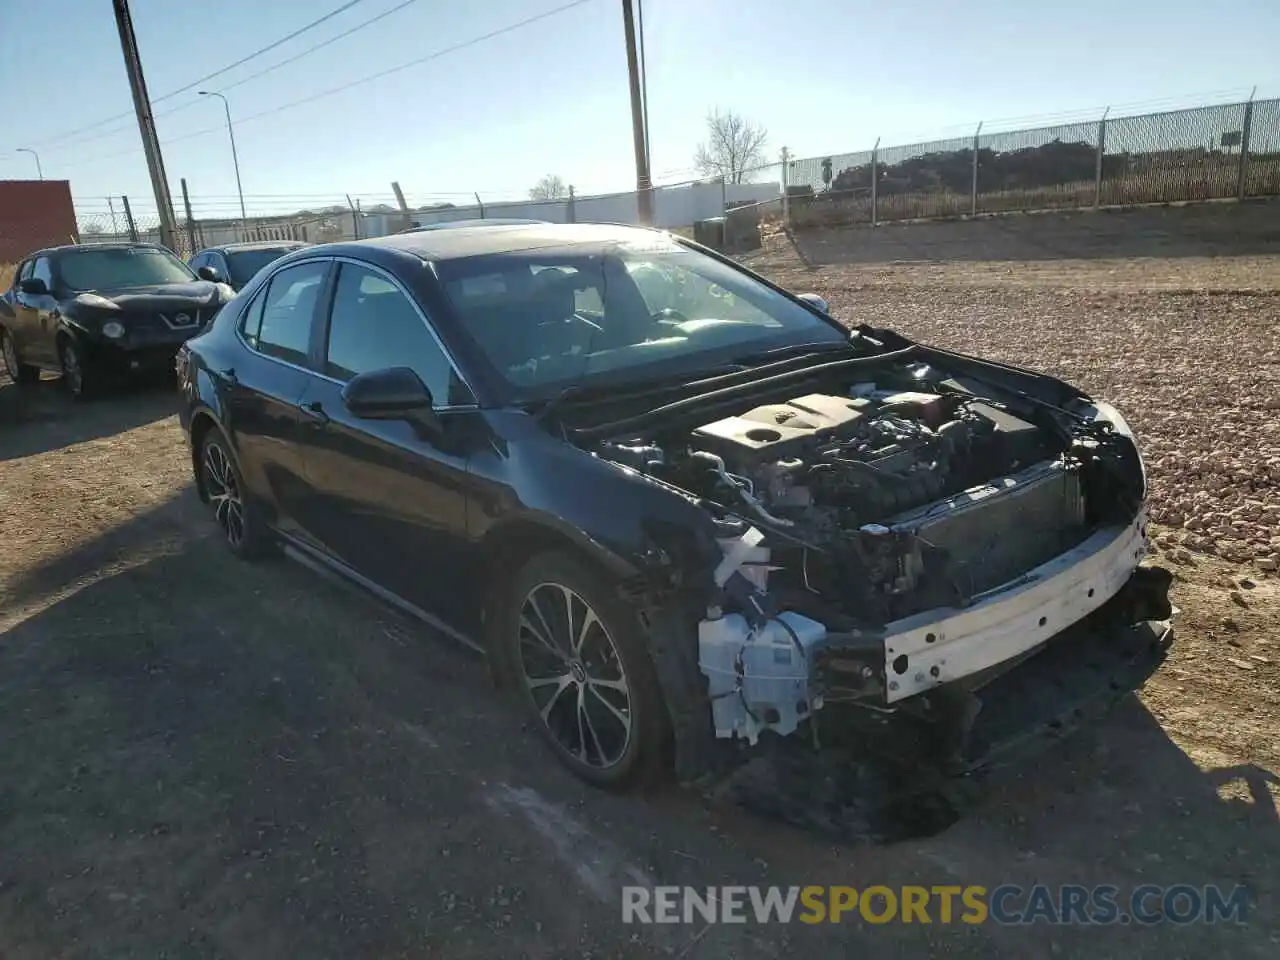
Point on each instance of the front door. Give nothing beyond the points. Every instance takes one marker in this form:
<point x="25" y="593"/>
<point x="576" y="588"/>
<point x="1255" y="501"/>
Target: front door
<point x="389" y="495"/>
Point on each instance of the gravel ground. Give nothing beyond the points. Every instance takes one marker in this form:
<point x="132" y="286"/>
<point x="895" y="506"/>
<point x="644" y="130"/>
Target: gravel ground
<point x="205" y="758"/>
<point x="1196" y="373"/>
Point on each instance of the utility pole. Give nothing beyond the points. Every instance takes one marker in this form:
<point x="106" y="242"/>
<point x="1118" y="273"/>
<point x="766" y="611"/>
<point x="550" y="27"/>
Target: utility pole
<point x="146" y="122"/>
<point x="644" y="187"/>
<point x="785" y="157"/>
<point x="191" y="223"/>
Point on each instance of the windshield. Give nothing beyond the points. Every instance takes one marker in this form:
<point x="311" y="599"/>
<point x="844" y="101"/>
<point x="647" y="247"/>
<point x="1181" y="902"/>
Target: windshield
<point x="119" y="267"/>
<point x="627" y="312"/>
<point x="246" y="263"/>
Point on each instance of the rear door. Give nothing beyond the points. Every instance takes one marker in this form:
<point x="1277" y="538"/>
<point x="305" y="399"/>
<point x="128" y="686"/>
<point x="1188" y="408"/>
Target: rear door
<point x="265" y="385"/>
<point x="390" y="497"/>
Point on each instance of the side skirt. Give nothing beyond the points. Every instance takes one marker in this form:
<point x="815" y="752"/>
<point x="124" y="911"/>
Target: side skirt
<point x="338" y="571"/>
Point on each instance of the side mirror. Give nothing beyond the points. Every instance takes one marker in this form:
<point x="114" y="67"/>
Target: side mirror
<point x="815" y="301"/>
<point x="394" y="393"/>
<point x="209" y="273"/>
<point x="33" y="286"/>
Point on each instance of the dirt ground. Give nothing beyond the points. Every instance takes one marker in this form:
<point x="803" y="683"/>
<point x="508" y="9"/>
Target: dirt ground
<point x="205" y="758"/>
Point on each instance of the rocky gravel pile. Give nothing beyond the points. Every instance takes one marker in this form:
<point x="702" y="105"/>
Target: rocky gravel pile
<point x="1196" y="375"/>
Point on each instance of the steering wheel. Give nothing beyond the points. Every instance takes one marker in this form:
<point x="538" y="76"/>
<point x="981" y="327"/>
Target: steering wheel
<point x="669" y="315"/>
<point x="573" y="330"/>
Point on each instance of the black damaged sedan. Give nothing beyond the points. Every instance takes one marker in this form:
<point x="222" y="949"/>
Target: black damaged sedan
<point x="683" y="511"/>
<point x="101" y="313"/>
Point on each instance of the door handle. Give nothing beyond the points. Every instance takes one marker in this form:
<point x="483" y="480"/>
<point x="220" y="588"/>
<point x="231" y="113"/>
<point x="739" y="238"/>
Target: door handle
<point x="315" y="410"/>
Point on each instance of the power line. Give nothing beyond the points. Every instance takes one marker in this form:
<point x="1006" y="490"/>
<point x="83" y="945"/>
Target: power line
<point x="253" y="76"/>
<point x="463" y="45"/>
<point x="319" y="46"/>
<point x="217" y="73"/>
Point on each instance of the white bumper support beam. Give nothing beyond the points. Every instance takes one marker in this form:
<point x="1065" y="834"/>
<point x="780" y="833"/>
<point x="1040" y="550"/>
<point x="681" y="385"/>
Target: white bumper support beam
<point x="942" y="645"/>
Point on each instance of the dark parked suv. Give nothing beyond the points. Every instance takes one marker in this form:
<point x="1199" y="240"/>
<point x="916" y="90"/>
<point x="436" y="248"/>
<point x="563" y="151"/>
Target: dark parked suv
<point x="95" y="313"/>
<point x="236" y="263"/>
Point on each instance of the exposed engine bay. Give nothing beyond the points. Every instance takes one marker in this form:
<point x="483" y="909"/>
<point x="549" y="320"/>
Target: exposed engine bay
<point x="857" y="525"/>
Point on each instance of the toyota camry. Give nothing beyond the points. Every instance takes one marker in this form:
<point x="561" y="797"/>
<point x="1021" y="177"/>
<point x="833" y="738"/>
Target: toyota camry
<point x="682" y="511"/>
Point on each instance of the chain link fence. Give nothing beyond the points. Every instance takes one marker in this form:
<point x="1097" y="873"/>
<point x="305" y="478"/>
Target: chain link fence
<point x="1207" y="153"/>
<point x="1225" y="151"/>
<point x="674" y="206"/>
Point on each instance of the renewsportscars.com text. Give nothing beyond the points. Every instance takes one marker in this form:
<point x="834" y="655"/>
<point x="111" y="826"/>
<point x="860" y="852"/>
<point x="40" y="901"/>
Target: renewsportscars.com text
<point x="1007" y="904"/>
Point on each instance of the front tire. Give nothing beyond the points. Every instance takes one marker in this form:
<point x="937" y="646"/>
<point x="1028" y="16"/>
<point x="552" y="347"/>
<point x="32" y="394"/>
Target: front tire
<point x="578" y="660"/>
<point x="20" y="373"/>
<point x="242" y="529"/>
<point x="79" y="377"/>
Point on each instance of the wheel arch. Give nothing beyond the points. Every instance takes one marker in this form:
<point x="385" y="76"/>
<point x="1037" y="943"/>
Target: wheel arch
<point x="507" y="547"/>
<point x="202" y="422"/>
<point x="512" y="544"/>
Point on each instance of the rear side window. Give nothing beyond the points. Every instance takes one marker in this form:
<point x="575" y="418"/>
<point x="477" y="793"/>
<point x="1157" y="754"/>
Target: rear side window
<point x="278" y="322"/>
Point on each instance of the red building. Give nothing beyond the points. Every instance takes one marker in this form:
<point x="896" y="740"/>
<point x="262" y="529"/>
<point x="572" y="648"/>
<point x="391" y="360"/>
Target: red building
<point x="35" y="214"/>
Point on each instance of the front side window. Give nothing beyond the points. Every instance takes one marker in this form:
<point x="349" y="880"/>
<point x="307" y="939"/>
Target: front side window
<point x="622" y="310"/>
<point x="373" y="326"/>
<point x="42" y="271"/>
<point x="116" y="268"/>
<point x="278" y="322"/>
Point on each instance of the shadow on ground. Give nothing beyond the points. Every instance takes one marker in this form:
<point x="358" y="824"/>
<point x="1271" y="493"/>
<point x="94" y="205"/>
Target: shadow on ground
<point x="1199" y="230"/>
<point x="204" y="758"/>
<point x="64" y="422"/>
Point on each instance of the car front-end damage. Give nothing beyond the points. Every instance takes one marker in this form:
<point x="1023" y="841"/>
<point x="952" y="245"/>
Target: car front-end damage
<point x="938" y="553"/>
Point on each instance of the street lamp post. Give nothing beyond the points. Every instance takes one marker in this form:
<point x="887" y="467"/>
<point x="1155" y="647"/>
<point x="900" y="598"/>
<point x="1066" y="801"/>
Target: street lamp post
<point x="39" y="169"/>
<point x="244" y="218"/>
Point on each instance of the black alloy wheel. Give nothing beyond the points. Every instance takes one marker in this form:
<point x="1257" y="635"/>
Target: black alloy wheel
<point x="20" y="373"/>
<point x="224" y="488"/>
<point x="577" y="655"/>
<point x="77" y="374"/>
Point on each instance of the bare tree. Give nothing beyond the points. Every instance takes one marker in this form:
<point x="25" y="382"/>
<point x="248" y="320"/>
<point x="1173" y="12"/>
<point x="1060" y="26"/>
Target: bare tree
<point x="733" y="146"/>
<point x="550" y="187"/>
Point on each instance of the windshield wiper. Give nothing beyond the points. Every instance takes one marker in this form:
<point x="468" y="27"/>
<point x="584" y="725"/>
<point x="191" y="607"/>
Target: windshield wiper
<point x="722" y="374"/>
<point x="791" y="349"/>
<point x="619" y="390"/>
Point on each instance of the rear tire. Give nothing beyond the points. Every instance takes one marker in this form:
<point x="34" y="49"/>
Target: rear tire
<point x="246" y="535"/>
<point x="20" y="373"/>
<point x="576" y="656"/>
<point x="79" y="377"/>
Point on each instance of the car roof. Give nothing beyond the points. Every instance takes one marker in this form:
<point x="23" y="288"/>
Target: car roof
<point x="478" y="241"/>
<point x="258" y="245"/>
<point x="460" y="224"/>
